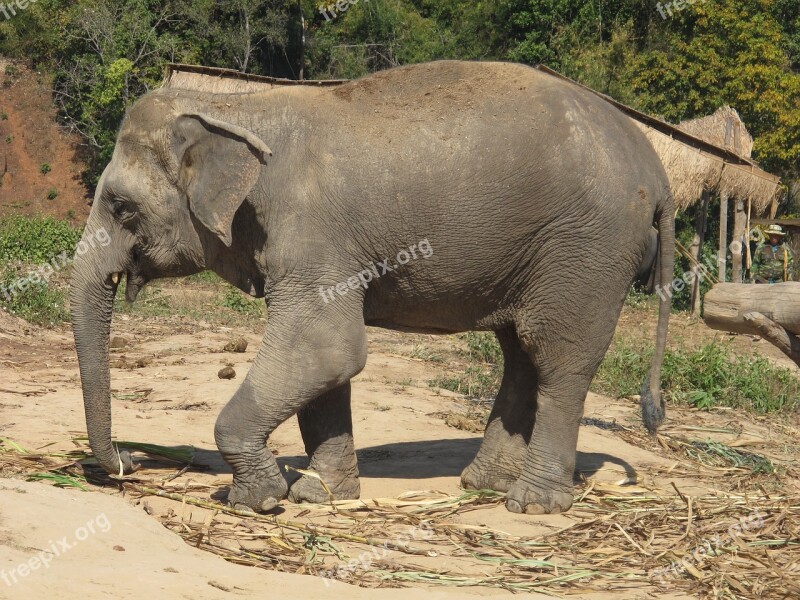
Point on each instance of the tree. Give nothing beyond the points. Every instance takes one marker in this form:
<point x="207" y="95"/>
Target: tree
<point x="727" y="52"/>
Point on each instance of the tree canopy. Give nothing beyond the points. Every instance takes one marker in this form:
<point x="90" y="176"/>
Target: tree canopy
<point x="103" y="54"/>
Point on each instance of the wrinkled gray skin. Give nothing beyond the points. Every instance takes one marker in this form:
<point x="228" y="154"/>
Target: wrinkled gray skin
<point x="536" y="197"/>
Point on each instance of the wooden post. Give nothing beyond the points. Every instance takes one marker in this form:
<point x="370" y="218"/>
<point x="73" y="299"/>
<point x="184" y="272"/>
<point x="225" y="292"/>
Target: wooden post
<point x="722" y="259"/>
<point x="737" y="249"/>
<point x="696" y="249"/>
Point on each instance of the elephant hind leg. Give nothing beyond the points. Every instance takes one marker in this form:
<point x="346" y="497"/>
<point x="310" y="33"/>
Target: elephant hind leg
<point x="565" y="364"/>
<point x="326" y="425"/>
<point x="501" y="456"/>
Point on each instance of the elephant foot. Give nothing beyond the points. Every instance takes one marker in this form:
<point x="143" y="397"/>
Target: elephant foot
<point x="258" y="485"/>
<point x="478" y="476"/>
<point x="532" y="500"/>
<point x="261" y="496"/>
<point x="310" y="489"/>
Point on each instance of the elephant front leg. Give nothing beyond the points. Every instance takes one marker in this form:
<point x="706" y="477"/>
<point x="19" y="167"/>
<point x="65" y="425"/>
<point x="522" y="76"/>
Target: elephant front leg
<point x="308" y="350"/>
<point x="327" y="427"/>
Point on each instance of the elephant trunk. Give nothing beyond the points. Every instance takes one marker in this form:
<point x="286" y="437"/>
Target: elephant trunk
<point x="92" y="293"/>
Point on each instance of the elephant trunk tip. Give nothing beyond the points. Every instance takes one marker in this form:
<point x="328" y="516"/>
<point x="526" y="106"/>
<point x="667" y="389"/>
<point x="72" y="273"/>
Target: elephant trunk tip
<point x="653" y="408"/>
<point x="118" y="463"/>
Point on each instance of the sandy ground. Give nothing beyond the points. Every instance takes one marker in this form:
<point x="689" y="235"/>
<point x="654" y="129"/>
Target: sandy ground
<point x="173" y="396"/>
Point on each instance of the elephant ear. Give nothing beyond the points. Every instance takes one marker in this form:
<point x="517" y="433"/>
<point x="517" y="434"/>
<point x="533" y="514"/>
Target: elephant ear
<point x="218" y="165"/>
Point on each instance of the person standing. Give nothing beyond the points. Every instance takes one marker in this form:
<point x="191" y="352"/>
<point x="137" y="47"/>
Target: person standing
<point x="773" y="260"/>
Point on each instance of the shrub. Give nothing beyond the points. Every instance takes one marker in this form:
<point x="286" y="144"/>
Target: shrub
<point x="35" y="239"/>
<point x="52" y="194"/>
<point x="705" y="377"/>
<point x="236" y="300"/>
<point x="39" y="303"/>
<point x="3" y="116"/>
<point x="45" y="169"/>
<point x="477" y="381"/>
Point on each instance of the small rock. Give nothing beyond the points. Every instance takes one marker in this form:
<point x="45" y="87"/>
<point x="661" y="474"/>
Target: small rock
<point x="119" y="548"/>
<point x="226" y="373"/>
<point x="237" y="345"/>
<point x="117" y="342"/>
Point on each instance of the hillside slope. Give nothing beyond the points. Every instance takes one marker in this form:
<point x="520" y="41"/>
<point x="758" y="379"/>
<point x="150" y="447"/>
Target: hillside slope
<point x="31" y="138"/>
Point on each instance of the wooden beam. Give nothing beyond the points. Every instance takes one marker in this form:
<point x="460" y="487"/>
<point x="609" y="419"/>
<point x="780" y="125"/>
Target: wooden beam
<point x="726" y="304"/>
<point x="771" y="311"/>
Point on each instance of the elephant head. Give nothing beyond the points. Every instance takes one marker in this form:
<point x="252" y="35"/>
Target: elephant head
<point x="165" y="204"/>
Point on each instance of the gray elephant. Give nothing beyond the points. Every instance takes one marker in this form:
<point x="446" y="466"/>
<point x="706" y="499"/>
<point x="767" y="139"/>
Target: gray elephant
<point x="535" y="197"/>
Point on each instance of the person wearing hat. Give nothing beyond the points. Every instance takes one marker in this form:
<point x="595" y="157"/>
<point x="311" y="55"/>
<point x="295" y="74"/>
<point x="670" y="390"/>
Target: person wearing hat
<point x="773" y="260"/>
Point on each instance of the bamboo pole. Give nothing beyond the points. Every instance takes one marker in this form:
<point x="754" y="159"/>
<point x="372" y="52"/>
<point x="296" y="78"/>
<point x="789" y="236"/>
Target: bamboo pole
<point x="696" y="249"/>
<point x="723" y="236"/>
<point x="737" y="245"/>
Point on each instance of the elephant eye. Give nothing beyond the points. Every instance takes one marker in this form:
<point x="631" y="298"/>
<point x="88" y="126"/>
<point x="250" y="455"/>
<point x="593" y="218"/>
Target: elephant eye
<point x="121" y="208"/>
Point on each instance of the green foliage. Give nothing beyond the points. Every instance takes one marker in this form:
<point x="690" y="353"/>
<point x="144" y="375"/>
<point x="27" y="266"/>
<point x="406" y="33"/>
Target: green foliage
<point x="236" y="300"/>
<point x="39" y="303"/>
<point x="476" y="381"/>
<point x="727" y="52"/>
<point x="35" y="240"/>
<point x="52" y="194"/>
<point x="45" y="169"/>
<point x="9" y="139"/>
<point x="205" y="277"/>
<point x="103" y="54"/>
<point x="706" y="377"/>
<point x="3" y="116"/>
<point x="25" y="243"/>
<point x="483" y="346"/>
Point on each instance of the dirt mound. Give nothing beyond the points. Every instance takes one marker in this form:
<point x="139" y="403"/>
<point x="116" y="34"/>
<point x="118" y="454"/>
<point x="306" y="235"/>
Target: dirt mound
<point x="40" y="167"/>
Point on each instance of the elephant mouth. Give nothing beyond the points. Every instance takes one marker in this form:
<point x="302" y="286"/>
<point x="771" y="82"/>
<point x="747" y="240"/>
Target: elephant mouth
<point x="135" y="279"/>
<point x="133" y="285"/>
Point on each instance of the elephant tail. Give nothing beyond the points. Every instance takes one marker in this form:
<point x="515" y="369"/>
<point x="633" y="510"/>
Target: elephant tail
<point x="652" y="403"/>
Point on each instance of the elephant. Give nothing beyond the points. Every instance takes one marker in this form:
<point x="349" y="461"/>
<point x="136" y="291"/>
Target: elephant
<point x="535" y="197"/>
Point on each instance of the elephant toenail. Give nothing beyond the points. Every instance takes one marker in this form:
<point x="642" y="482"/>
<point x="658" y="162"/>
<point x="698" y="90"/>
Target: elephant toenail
<point x="513" y="506"/>
<point x="269" y="504"/>
<point x="535" y="509"/>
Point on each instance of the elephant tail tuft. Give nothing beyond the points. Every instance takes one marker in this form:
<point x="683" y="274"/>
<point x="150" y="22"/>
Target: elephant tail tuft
<point x="653" y="406"/>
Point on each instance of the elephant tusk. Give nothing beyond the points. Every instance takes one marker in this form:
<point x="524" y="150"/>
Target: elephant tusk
<point x="115" y="278"/>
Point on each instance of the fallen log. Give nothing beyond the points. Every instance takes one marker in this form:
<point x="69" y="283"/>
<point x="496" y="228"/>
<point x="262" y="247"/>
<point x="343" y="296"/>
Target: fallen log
<point x="771" y="311"/>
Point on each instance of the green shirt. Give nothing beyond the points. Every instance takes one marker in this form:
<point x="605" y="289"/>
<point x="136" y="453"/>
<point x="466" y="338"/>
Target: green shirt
<point x="772" y="264"/>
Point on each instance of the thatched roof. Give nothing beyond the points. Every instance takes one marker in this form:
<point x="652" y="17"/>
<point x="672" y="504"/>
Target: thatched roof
<point x="723" y="128"/>
<point x="695" y="156"/>
<point x="694" y="153"/>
